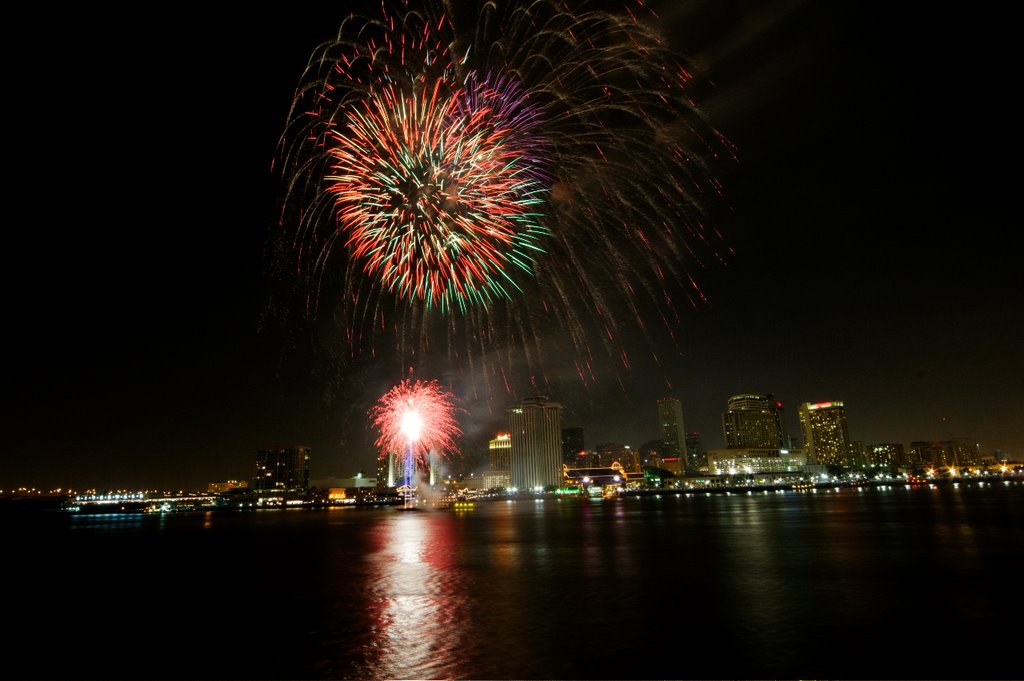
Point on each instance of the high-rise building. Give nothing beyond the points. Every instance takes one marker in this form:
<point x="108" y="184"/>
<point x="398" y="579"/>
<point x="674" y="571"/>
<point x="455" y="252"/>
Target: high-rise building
<point x="927" y="453"/>
<point x="573" y="449"/>
<point x="390" y="470"/>
<point x="695" y="450"/>
<point x="963" y="452"/>
<point x="282" y="469"/>
<point x="953" y="452"/>
<point x="825" y="434"/>
<point x="673" y="433"/>
<point x="754" y="422"/>
<point x="499" y="451"/>
<point x="535" y="426"/>
<point x="886" y="454"/>
<point x="858" y="455"/>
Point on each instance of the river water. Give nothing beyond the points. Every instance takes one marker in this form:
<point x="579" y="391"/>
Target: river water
<point x="895" y="583"/>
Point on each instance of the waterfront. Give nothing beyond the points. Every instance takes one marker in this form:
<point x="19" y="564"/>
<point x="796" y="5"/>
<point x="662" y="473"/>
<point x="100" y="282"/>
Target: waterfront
<point x="886" y="582"/>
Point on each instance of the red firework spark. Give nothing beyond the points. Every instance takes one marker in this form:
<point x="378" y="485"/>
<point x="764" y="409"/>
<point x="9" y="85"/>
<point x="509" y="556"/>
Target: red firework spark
<point x="416" y="417"/>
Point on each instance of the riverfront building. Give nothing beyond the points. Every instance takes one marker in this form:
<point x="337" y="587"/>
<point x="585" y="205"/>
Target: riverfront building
<point x="281" y="470"/>
<point x="886" y="454"/>
<point x="695" y="450"/>
<point x="535" y="427"/>
<point x="390" y="470"/>
<point x="825" y="434"/>
<point x="499" y="451"/>
<point x="673" y="431"/>
<point x="954" y="452"/>
<point x="221" y="487"/>
<point x="750" y="461"/>
<point x="754" y="430"/>
<point x="754" y="421"/>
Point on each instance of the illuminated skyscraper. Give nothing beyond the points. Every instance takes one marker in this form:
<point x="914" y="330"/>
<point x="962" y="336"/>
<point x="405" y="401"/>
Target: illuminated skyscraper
<point x="499" y="452"/>
<point x="673" y="434"/>
<point x="754" y="422"/>
<point x="535" y="426"/>
<point x="282" y="469"/>
<point x="825" y="433"/>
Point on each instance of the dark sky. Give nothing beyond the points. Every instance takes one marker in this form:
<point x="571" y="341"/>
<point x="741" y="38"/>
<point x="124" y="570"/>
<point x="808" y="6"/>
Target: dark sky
<point x="869" y="213"/>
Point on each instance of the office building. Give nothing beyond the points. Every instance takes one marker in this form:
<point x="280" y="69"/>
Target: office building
<point x="695" y="456"/>
<point x="858" y="456"/>
<point x="535" y="427"/>
<point x="955" y="452"/>
<point x="228" y="485"/>
<point x="281" y="469"/>
<point x="753" y="461"/>
<point x="385" y="472"/>
<point x="390" y="470"/>
<point x="886" y="454"/>
<point x="963" y="452"/>
<point x="673" y="432"/>
<point x="754" y="422"/>
<point x="499" y="472"/>
<point x="825" y="434"/>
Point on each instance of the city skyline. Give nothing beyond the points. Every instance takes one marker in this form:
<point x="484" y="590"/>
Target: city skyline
<point x="142" y="352"/>
<point x="480" y="462"/>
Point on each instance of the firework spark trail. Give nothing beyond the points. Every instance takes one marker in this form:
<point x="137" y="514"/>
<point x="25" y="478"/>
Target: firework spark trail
<point x="536" y="176"/>
<point x="434" y="193"/>
<point x="416" y="418"/>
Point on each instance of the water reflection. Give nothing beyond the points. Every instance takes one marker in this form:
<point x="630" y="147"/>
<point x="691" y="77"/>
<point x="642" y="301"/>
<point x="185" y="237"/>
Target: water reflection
<point x="707" y="586"/>
<point x="758" y="581"/>
<point x="417" y="600"/>
<point x="115" y="522"/>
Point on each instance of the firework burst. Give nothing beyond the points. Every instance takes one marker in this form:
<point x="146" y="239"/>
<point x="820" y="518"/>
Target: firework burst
<point x="416" y="418"/>
<point x="489" y="184"/>
<point x="434" y="190"/>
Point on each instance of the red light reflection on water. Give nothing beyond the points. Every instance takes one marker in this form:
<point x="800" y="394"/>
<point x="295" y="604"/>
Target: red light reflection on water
<point x="419" y="600"/>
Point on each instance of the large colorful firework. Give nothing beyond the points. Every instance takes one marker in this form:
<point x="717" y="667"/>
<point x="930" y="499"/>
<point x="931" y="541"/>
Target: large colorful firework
<point x="490" y="181"/>
<point x="416" y="418"/>
<point x="435" y="191"/>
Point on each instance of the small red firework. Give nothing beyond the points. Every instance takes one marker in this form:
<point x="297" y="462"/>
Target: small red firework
<point x="416" y="418"/>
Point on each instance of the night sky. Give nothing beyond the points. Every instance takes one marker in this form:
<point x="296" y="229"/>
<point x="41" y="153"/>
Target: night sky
<point x="869" y="216"/>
